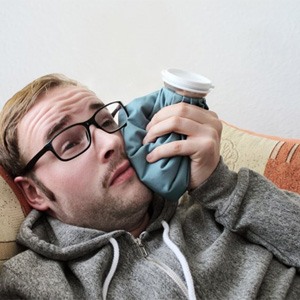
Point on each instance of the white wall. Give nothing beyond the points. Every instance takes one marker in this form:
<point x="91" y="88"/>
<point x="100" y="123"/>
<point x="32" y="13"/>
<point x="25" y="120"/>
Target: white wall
<point x="249" y="49"/>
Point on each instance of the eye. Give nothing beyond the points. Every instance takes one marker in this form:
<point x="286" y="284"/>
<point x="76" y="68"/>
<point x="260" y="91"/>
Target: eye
<point x="108" y="122"/>
<point x="69" y="145"/>
<point x="70" y="142"/>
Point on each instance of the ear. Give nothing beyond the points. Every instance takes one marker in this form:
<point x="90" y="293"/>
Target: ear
<point x="32" y="193"/>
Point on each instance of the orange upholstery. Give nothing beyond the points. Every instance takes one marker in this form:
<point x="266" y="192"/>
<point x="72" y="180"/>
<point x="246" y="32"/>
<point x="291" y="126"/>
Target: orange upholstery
<point x="276" y="158"/>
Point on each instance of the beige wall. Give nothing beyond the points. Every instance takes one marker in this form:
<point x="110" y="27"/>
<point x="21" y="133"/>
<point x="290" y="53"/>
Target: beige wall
<point x="249" y="49"/>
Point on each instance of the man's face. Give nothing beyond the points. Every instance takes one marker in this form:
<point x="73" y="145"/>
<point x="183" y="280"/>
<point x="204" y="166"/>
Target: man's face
<point x="98" y="189"/>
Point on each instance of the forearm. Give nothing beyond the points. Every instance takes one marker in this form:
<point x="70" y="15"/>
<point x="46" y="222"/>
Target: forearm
<point x="252" y="206"/>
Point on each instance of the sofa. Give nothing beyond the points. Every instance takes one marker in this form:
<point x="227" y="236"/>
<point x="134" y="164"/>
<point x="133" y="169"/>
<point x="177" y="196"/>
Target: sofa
<point x="276" y="158"/>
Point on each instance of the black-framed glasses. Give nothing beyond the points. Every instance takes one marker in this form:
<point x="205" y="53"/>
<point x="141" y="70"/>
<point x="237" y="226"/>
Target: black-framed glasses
<point x="75" y="139"/>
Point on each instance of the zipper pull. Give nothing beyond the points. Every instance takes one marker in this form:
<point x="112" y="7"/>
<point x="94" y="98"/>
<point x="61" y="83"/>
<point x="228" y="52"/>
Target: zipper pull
<point x="141" y="247"/>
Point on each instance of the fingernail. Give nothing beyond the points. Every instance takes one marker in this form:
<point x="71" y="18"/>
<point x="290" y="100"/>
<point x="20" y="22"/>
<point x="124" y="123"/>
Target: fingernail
<point x="149" y="157"/>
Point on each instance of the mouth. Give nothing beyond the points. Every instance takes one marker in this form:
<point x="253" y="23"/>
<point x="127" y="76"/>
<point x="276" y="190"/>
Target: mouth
<point x="121" y="174"/>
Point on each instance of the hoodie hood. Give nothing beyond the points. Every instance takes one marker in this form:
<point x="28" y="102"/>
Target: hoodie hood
<point x="80" y="249"/>
<point x="53" y="239"/>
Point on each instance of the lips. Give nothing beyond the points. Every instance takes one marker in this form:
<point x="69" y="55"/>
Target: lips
<point x="123" y="172"/>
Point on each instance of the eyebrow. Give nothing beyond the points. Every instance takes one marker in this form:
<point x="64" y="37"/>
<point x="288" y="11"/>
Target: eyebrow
<point x="57" y="127"/>
<point x="64" y="121"/>
<point x="96" y="105"/>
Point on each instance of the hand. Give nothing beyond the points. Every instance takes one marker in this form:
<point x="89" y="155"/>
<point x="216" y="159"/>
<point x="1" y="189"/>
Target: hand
<point x="202" y="144"/>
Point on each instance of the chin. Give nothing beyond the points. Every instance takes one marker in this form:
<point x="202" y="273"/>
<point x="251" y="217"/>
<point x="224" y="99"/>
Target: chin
<point x="142" y="192"/>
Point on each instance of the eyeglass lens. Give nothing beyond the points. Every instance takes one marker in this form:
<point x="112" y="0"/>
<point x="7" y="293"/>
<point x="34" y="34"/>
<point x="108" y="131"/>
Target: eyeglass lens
<point x="76" y="139"/>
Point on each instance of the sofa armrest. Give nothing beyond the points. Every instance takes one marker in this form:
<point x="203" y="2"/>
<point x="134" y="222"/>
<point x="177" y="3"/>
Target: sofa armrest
<point x="276" y="158"/>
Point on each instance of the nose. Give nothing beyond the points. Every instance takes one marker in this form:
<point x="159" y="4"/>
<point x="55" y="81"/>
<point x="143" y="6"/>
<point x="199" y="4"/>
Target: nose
<point x="106" y="144"/>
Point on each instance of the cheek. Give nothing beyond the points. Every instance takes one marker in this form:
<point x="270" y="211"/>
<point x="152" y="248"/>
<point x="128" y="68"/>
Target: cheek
<point x="68" y="177"/>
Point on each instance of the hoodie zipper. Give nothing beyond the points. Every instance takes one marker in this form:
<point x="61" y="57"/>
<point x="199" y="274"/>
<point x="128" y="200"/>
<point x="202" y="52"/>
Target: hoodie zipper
<point x="166" y="269"/>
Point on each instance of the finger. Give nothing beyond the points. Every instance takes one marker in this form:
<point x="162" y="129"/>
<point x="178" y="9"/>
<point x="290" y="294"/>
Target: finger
<point x="195" y="147"/>
<point x="173" y="124"/>
<point x="183" y="126"/>
<point x="182" y="109"/>
<point x="176" y="148"/>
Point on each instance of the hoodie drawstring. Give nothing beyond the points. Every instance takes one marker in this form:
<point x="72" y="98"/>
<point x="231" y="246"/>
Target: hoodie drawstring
<point x="184" y="264"/>
<point x="112" y="268"/>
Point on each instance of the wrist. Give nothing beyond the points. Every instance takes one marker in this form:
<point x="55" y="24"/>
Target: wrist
<point x="220" y="182"/>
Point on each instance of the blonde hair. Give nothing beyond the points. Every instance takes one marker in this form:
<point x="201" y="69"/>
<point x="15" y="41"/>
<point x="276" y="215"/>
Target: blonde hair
<point x="14" y="110"/>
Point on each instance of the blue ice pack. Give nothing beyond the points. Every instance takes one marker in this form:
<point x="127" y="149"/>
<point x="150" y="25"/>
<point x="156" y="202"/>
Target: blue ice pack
<point x="168" y="177"/>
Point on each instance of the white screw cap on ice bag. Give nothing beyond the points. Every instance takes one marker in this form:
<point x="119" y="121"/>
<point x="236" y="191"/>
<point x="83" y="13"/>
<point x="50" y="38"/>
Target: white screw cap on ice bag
<point x="180" y="80"/>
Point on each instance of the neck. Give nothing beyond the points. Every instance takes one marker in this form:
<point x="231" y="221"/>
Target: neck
<point x="141" y="226"/>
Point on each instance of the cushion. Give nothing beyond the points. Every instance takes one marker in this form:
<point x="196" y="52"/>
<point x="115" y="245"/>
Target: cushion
<point x="13" y="209"/>
<point x="276" y="158"/>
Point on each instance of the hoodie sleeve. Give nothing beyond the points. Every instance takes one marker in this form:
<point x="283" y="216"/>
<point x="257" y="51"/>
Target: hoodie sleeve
<point x="252" y="206"/>
<point x="11" y="285"/>
<point x="50" y="282"/>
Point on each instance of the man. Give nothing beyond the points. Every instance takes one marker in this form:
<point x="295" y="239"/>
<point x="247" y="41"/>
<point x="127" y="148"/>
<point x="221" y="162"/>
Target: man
<point x="97" y="232"/>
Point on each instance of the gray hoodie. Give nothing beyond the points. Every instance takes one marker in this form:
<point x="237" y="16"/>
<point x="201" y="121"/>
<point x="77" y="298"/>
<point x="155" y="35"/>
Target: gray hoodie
<point x="236" y="237"/>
